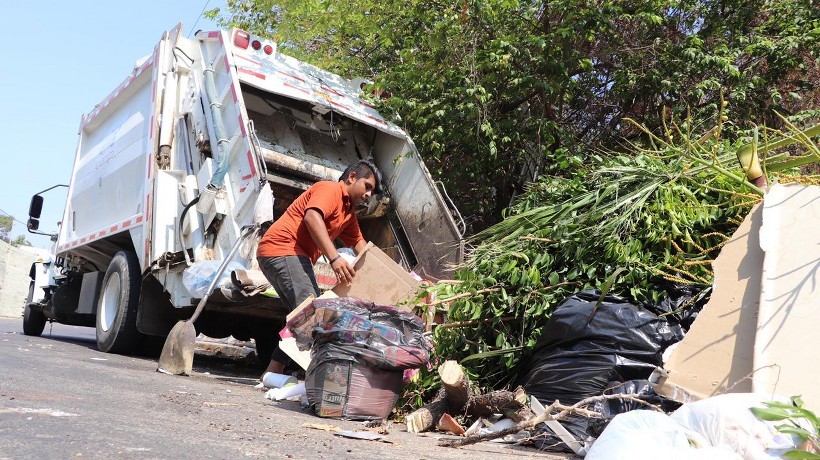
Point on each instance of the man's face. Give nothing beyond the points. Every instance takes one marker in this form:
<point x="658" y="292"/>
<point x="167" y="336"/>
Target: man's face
<point x="360" y="188"/>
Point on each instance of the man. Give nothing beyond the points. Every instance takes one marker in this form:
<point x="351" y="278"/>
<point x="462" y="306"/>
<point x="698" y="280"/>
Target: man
<point x="323" y="213"/>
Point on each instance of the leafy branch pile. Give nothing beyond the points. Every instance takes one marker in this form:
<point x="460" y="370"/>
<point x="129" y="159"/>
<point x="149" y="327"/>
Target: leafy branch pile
<point x="656" y="215"/>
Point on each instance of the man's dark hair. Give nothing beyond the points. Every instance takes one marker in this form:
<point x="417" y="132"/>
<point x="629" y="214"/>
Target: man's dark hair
<point x="364" y="169"/>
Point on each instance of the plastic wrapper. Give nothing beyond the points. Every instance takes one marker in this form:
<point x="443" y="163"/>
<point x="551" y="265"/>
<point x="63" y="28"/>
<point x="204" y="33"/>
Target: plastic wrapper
<point x="198" y="276"/>
<point x="376" y="335"/>
<point x="725" y="421"/>
<point x="340" y="387"/>
<point x="650" y="435"/>
<point x="574" y="360"/>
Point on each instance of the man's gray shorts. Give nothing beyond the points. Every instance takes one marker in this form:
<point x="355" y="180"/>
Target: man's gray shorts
<point x="293" y="279"/>
<point x="291" y="276"/>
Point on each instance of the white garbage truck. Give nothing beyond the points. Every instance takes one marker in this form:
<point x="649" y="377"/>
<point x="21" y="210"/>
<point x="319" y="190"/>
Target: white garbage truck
<point x="170" y="167"/>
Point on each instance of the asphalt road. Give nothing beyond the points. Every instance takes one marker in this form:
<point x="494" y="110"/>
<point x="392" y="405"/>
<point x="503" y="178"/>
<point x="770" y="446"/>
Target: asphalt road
<point x="61" y="398"/>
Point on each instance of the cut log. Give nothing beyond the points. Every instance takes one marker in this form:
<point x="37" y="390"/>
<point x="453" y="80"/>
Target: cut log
<point x="512" y="404"/>
<point x="425" y="418"/>
<point x="456" y="399"/>
<point x="456" y="385"/>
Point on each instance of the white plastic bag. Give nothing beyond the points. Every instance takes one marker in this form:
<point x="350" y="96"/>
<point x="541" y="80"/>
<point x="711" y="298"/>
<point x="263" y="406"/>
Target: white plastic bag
<point x="198" y="276"/>
<point x="650" y="435"/>
<point x="263" y="208"/>
<point x="726" y="421"/>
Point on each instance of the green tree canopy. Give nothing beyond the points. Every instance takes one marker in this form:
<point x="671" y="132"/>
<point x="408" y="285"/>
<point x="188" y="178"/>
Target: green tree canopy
<point x="497" y="92"/>
<point x="6" y="223"/>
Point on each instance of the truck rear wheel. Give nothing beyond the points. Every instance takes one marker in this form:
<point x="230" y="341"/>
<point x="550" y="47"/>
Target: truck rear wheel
<point x="117" y="308"/>
<point x="34" y="321"/>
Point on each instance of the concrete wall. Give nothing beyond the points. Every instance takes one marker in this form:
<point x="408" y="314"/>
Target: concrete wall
<point x="14" y="267"/>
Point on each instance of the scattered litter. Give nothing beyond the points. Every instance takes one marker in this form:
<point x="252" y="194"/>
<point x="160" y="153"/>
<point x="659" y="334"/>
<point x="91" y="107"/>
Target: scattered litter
<point x="274" y="380"/>
<point x="99" y="359"/>
<point x="290" y="393"/>
<point x="448" y="423"/>
<point x="321" y="426"/>
<point x="218" y="404"/>
<point x="364" y="435"/>
<point x="473" y="430"/>
<point x="378" y="426"/>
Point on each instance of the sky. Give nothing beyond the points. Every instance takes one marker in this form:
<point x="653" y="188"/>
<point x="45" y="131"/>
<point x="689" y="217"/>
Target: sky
<point x="58" y="59"/>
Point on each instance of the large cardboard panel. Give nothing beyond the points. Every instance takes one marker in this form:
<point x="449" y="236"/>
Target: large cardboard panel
<point x="790" y="295"/>
<point x="378" y="279"/>
<point x="716" y="354"/>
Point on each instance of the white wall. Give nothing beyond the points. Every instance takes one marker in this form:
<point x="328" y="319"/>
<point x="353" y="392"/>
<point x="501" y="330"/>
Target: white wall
<point x="14" y="267"/>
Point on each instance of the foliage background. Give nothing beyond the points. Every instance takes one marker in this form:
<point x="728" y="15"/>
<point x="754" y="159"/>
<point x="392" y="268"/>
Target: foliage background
<point x="523" y="109"/>
<point x="498" y="92"/>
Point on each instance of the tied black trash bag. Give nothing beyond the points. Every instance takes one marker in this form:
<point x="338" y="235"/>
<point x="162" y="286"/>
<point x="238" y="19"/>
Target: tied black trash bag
<point x="574" y="360"/>
<point x="609" y="408"/>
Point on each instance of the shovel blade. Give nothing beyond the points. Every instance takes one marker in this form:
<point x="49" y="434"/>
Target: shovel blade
<point x="177" y="356"/>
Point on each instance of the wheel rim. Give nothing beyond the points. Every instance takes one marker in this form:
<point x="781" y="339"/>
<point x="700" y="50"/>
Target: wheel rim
<point x="110" y="302"/>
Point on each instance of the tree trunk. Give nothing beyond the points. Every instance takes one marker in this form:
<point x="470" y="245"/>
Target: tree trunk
<point x="456" y="386"/>
<point x="425" y="418"/>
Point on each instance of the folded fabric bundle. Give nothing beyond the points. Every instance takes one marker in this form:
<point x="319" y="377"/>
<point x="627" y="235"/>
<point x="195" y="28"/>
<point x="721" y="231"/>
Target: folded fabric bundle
<point x="250" y="282"/>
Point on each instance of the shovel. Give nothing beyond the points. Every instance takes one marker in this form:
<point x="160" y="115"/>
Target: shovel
<point x="177" y="356"/>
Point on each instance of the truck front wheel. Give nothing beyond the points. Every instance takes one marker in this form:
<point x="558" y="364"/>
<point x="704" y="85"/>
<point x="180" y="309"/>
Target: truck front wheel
<point x="117" y="308"/>
<point x="34" y="321"/>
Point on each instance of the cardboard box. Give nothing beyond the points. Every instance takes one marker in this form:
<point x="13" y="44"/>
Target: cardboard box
<point x="378" y="279"/>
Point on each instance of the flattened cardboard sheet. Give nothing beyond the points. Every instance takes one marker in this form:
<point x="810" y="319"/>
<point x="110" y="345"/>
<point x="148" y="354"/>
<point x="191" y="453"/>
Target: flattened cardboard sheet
<point x="789" y="319"/>
<point x="716" y="353"/>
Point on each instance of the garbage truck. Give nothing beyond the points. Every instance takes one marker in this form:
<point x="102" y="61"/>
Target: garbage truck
<point x="169" y="172"/>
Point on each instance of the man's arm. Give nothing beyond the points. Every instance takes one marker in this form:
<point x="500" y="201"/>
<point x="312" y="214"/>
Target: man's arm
<point x="315" y="223"/>
<point x="360" y="245"/>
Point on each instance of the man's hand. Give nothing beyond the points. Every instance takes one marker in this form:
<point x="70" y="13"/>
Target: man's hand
<point x="344" y="271"/>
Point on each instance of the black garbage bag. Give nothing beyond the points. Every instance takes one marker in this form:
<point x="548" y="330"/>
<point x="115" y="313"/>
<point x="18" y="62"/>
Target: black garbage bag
<point x="682" y="303"/>
<point x="609" y="408"/>
<point x="577" y="358"/>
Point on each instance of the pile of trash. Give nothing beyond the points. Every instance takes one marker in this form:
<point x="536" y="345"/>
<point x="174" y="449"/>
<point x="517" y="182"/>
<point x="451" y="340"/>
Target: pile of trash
<point x="358" y="353"/>
<point x="702" y="374"/>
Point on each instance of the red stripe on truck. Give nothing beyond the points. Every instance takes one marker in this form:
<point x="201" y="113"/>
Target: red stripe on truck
<point x="251" y="72"/>
<point x="251" y="164"/>
<point x="291" y="76"/>
<point x="295" y="87"/>
<point x="239" y="56"/>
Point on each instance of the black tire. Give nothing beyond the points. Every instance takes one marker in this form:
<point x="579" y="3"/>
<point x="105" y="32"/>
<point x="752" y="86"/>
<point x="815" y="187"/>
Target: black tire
<point x="117" y="308"/>
<point x="34" y="321"/>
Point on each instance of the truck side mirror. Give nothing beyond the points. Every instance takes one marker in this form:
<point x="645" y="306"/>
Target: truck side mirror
<point x="33" y="224"/>
<point x="35" y="208"/>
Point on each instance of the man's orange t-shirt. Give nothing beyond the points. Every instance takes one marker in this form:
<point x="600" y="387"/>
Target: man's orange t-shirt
<point x="289" y="235"/>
